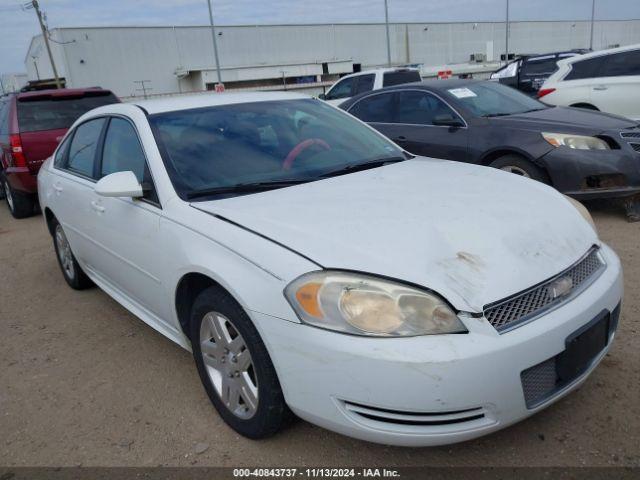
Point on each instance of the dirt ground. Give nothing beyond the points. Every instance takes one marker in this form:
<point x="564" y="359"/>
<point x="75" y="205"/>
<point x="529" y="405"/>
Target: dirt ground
<point x="84" y="382"/>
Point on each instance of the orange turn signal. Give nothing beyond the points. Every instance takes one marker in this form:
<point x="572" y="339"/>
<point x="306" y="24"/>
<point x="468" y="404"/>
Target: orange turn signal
<point x="307" y="296"/>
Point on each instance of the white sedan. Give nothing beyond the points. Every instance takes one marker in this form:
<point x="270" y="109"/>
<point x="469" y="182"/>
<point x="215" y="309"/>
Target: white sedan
<point x="314" y="267"/>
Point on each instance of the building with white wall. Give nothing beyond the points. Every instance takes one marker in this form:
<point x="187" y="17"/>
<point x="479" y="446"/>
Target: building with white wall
<point x="181" y="59"/>
<point x="12" y="82"/>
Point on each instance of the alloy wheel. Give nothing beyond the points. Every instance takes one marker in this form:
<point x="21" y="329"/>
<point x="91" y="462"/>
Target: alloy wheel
<point x="516" y="170"/>
<point x="228" y="363"/>
<point x="7" y="194"/>
<point x="64" y="253"/>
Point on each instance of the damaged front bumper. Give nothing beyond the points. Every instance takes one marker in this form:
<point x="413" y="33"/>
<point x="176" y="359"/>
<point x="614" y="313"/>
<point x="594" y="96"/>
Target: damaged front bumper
<point x="589" y="174"/>
<point x="434" y="389"/>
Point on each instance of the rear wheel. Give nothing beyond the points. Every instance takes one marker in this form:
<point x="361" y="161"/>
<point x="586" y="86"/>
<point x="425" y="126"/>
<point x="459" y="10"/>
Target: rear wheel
<point x="235" y="367"/>
<point x="71" y="270"/>
<point x="21" y="205"/>
<point x="520" y="166"/>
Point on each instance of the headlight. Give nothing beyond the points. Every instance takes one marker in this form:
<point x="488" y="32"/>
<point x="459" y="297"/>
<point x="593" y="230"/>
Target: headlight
<point x="583" y="211"/>
<point x="364" y="305"/>
<point x="579" y="142"/>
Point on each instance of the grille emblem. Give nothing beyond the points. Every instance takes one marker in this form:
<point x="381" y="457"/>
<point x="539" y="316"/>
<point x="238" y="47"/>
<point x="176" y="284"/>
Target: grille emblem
<point x="560" y="287"/>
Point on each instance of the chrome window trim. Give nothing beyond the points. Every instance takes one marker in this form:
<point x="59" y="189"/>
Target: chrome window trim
<point x="391" y="92"/>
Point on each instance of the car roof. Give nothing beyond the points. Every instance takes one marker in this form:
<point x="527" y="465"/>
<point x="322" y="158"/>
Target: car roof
<point x="599" y="53"/>
<point x="201" y="100"/>
<point x="380" y="71"/>
<point x="63" y="92"/>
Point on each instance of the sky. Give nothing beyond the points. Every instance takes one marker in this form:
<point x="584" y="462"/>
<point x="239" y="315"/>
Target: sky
<point x="17" y="26"/>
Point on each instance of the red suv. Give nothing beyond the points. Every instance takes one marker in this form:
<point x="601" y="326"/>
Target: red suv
<point x="31" y="126"/>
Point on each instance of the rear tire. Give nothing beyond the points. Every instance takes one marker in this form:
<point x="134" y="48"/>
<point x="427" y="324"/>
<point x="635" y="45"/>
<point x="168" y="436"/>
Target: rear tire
<point x="71" y="270"/>
<point x="21" y="205"/>
<point x="235" y="367"/>
<point x="520" y="166"/>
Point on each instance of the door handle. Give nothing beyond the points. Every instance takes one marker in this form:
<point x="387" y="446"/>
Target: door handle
<point x="57" y="188"/>
<point x="401" y="138"/>
<point x="97" y="207"/>
<point x="600" y="87"/>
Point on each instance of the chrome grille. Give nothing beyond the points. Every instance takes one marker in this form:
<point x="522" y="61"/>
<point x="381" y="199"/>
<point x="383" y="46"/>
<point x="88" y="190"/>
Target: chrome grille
<point x="523" y="306"/>
<point x="635" y="146"/>
<point x="630" y="134"/>
<point x="539" y="382"/>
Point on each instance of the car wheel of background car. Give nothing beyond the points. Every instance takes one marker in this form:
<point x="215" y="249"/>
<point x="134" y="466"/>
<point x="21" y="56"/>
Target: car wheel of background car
<point x="520" y="166"/>
<point x="235" y="367"/>
<point x="71" y="271"/>
<point x="585" y="106"/>
<point x="20" y="205"/>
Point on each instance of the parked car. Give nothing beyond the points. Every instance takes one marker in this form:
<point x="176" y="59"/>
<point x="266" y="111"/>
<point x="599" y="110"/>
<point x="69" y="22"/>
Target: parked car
<point x="582" y="153"/>
<point x="528" y="72"/>
<point x="608" y="80"/>
<point x="369" y="80"/>
<point x="311" y="264"/>
<point x="31" y="125"/>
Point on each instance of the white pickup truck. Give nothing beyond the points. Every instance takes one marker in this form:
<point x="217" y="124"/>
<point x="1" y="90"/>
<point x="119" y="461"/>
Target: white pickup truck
<point x="361" y="82"/>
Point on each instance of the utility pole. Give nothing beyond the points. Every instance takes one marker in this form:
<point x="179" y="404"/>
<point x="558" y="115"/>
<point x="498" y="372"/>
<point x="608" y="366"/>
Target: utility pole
<point x="506" y="38"/>
<point x="215" y="43"/>
<point x="386" y="23"/>
<point x="45" y="34"/>
<point x="1" y="86"/>
<point x="593" y="14"/>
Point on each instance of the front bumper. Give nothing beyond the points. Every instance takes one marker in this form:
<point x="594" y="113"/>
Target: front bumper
<point x="589" y="174"/>
<point x="458" y="386"/>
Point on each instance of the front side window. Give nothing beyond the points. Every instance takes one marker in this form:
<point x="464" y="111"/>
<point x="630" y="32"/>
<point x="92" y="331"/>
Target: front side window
<point x="377" y="108"/>
<point x="420" y="108"/>
<point x="342" y="89"/>
<point x="82" y="151"/>
<point x="491" y="99"/>
<point x="621" y="64"/>
<point x="122" y="151"/>
<point x="222" y="149"/>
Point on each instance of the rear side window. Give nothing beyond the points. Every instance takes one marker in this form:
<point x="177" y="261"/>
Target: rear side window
<point x="82" y="151"/>
<point x="375" y="109"/>
<point x="585" y="69"/>
<point x="122" y="151"/>
<point x="364" y="84"/>
<point x="397" y="78"/>
<point x="53" y="113"/>
<point x="621" y="64"/>
<point x="61" y="153"/>
<point x="4" y="117"/>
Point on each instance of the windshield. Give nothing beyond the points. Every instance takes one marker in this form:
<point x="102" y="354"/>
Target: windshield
<point x="490" y="99"/>
<point x="217" y="148"/>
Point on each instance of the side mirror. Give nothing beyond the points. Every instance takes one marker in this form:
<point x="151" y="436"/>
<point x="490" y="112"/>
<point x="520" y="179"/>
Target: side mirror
<point x="322" y="96"/>
<point x="447" y="120"/>
<point x="119" y="184"/>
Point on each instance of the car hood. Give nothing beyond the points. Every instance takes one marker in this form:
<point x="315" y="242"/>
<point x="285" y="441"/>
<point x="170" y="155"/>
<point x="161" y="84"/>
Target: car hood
<point x="472" y="234"/>
<point x="566" y="120"/>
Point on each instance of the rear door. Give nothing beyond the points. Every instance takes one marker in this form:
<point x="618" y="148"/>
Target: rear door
<point x="617" y="88"/>
<point x="73" y="180"/>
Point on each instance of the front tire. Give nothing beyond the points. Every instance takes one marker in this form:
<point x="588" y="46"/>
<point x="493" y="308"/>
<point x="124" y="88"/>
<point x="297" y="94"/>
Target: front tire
<point x="520" y="166"/>
<point x="235" y="367"/>
<point x="21" y="205"/>
<point x="71" y="270"/>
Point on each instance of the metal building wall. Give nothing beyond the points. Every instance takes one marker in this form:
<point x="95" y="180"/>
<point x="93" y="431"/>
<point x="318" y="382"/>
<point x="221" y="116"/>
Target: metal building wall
<point x="116" y="57"/>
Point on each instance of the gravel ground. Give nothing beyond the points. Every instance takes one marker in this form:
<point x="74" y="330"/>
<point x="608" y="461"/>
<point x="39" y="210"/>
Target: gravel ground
<point x="84" y="382"/>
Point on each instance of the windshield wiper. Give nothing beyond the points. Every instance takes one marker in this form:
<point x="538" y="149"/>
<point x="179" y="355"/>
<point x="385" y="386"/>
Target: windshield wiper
<point x="244" y="188"/>
<point x="357" y="167"/>
<point x="501" y="114"/>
